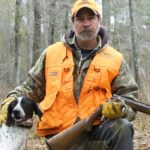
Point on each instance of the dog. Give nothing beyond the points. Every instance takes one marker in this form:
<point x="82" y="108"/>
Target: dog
<point x="14" y="134"/>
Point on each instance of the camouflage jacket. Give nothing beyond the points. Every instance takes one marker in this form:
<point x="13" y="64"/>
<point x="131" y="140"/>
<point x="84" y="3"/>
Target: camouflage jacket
<point x="34" y="86"/>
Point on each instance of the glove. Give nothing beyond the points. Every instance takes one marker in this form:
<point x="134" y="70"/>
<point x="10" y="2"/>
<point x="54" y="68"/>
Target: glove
<point x="114" y="109"/>
<point x="3" y="109"/>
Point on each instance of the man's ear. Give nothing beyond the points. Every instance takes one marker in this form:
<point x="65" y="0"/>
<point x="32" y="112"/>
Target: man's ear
<point x="72" y="19"/>
<point x="99" y="18"/>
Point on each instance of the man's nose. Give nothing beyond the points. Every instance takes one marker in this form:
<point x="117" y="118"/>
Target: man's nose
<point x="86" y="22"/>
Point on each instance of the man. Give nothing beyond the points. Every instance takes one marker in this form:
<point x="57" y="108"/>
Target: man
<point x="72" y="78"/>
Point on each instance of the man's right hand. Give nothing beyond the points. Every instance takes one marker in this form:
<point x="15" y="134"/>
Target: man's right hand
<point x="3" y="109"/>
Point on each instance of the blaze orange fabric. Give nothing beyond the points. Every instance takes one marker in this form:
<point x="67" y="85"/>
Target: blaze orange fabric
<point x="59" y="107"/>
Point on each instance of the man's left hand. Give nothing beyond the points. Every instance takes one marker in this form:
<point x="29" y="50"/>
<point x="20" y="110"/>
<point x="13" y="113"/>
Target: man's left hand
<point x="3" y="109"/>
<point x="114" y="109"/>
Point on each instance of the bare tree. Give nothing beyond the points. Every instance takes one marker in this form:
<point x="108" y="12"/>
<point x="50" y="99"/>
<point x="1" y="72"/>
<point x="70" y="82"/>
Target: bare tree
<point x="67" y="20"/>
<point x="106" y="12"/>
<point x="45" y="22"/>
<point x="17" y="40"/>
<point x="30" y="32"/>
<point x="37" y="30"/>
<point x="134" y="44"/>
<point x="52" y="20"/>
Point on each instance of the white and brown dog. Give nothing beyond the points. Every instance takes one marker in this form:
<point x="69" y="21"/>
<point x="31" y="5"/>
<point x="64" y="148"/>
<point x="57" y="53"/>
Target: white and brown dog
<point x="14" y="134"/>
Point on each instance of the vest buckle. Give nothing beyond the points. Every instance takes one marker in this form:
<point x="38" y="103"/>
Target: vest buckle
<point x="97" y="69"/>
<point x="66" y="69"/>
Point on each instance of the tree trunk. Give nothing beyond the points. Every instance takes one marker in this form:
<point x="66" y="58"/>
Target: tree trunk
<point x="52" y="17"/>
<point x="37" y="30"/>
<point x="66" y="23"/>
<point x="30" y="33"/>
<point x="106" y="13"/>
<point x="66" y="10"/>
<point x="17" y="40"/>
<point x="134" y="44"/>
<point x="45" y="23"/>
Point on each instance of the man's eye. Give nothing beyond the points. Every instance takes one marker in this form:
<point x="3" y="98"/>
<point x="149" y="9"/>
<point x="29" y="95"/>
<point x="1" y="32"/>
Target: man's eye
<point x="79" y="18"/>
<point x="91" y="17"/>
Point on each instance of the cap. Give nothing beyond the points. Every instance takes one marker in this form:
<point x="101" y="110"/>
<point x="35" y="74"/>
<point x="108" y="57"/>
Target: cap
<point x="91" y="4"/>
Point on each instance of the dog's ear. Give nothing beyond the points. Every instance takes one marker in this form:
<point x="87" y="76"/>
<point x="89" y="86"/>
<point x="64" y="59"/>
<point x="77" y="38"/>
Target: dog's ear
<point x="9" y="120"/>
<point x="37" y="110"/>
<point x="35" y="107"/>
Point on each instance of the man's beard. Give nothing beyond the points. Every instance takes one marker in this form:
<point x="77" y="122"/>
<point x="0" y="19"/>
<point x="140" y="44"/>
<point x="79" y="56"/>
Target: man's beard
<point x="86" y="34"/>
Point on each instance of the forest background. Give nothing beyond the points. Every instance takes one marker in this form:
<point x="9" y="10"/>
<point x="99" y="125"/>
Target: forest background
<point x="27" y="27"/>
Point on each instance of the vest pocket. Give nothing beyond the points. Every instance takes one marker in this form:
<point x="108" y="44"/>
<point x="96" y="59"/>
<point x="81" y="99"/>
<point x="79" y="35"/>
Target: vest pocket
<point x="51" y="118"/>
<point x="48" y="101"/>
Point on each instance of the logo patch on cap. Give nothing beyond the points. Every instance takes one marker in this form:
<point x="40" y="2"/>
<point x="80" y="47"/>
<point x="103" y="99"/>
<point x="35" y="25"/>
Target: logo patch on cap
<point x="84" y="2"/>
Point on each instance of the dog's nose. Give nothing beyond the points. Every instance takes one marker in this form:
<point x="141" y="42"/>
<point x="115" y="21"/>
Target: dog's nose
<point x="16" y="113"/>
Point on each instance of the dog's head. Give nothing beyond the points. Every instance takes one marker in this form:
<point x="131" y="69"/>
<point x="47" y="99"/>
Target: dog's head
<point x="21" y="110"/>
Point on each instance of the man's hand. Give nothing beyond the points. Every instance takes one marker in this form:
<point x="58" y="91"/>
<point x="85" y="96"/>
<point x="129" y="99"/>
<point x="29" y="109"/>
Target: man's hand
<point x="113" y="110"/>
<point x="3" y="109"/>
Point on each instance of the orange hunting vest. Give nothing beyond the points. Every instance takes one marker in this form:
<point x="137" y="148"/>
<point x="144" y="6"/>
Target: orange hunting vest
<point x="59" y="108"/>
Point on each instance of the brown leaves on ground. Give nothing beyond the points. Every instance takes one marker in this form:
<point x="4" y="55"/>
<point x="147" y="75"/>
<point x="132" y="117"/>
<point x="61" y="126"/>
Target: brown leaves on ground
<point x="142" y="139"/>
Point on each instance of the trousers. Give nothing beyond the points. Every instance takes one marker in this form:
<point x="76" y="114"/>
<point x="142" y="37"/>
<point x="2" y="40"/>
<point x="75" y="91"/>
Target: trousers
<point x="116" y="134"/>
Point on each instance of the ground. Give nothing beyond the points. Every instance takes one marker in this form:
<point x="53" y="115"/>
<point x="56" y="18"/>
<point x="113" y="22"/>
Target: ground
<point x="142" y="140"/>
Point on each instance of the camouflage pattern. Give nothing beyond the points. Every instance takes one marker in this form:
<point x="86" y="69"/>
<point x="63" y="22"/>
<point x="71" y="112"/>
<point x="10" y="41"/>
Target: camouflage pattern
<point x="34" y="86"/>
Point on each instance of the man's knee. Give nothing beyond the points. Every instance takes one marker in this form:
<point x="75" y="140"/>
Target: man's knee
<point x="121" y="124"/>
<point x="110" y="128"/>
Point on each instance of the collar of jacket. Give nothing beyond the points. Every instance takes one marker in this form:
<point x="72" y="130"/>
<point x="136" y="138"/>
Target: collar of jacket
<point x="69" y="38"/>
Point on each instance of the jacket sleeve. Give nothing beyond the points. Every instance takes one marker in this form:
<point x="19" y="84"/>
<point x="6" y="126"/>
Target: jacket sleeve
<point x="125" y="85"/>
<point x="34" y="85"/>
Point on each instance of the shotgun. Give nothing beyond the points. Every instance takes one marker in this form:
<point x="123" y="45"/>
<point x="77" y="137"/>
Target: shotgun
<point x="62" y="140"/>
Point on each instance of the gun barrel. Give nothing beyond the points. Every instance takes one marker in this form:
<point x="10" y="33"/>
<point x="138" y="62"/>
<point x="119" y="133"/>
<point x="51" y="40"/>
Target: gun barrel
<point x="136" y="105"/>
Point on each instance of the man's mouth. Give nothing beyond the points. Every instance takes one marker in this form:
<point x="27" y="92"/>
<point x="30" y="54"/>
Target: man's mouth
<point x="86" y="31"/>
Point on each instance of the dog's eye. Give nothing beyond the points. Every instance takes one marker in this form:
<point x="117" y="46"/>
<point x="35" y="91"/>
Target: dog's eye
<point x="26" y="103"/>
<point x="13" y="103"/>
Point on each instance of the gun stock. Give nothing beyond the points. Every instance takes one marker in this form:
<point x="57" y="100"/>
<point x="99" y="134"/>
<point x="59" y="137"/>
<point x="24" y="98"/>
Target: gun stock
<point x="65" y="138"/>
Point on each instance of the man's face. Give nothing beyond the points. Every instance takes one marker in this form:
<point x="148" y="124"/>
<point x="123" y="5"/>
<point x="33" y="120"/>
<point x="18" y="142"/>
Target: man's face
<point x="86" y="24"/>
